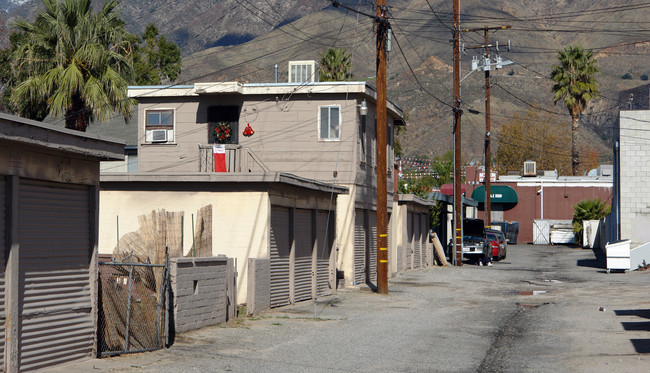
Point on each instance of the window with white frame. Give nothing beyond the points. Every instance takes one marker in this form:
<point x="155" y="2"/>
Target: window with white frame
<point x="329" y="123"/>
<point x="159" y="125"/>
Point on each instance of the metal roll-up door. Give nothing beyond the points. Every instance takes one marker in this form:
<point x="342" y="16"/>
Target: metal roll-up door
<point x="3" y="224"/>
<point x="389" y="240"/>
<point x="417" y="239"/>
<point x="304" y="255"/>
<point x="409" y="240"/>
<point x="55" y="304"/>
<point x="325" y="235"/>
<point x="280" y="254"/>
<point x="427" y="254"/>
<point x="372" y="247"/>
<point x="359" y="247"/>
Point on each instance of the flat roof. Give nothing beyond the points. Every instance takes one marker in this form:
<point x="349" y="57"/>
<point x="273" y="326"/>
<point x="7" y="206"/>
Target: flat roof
<point x="26" y="131"/>
<point x="221" y="177"/>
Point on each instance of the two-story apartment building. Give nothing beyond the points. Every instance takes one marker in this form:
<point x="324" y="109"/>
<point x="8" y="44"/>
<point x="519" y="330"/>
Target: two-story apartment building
<point x="323" y="133"/>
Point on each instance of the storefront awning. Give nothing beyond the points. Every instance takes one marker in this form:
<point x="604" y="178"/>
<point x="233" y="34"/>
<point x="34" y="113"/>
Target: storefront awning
<point x="498" y="194"/>
<point x="448" y="189"/>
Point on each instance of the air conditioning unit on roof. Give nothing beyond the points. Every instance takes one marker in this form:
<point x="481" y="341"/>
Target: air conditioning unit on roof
<point x="530" y="168"/>
<point x="303" y="71"/>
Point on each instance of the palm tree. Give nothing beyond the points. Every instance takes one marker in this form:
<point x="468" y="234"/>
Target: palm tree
<point x="335" y="65"/>
<point x="575" y="85"/>
<point x="588" y="210"/>
<point x="75" y="61"/>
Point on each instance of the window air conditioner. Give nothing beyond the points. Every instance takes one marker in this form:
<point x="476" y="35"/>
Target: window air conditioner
<point x="159" y="136"/>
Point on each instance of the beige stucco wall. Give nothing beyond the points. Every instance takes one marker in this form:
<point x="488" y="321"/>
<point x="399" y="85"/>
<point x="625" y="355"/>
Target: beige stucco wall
<point x="398" y="231"/>
<point x="345" y="234"/>
<point x="240" y="221"/>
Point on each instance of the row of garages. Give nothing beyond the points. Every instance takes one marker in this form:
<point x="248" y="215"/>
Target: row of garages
<point x="50" y="229"/>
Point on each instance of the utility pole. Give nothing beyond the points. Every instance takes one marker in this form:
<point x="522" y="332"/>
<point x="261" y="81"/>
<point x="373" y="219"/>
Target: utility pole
<point x="487" y="67"/>
<point x="382" y="193"/>
<point x="458" y="207"/>
<point x="488" y="201"/>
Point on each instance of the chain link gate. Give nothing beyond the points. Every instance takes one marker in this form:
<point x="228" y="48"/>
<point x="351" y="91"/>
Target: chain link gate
<point x="133" y="307"/>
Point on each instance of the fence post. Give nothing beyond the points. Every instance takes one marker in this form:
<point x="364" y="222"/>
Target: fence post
<point x="128" y="305"/>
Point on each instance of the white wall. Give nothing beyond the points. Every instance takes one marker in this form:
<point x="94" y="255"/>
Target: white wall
<point x="635" y="176"/>
<point x="240" y="221"/>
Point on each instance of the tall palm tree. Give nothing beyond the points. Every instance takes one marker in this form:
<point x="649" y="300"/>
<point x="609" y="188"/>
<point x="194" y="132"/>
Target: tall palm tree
<point x="335" y="65"/>
<point x="575" y="85"/>
<point x="75" y="61"/>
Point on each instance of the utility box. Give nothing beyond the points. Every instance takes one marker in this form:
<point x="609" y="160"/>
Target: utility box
<point x="618" y="256"/>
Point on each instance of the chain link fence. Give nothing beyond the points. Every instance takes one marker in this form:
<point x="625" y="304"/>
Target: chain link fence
<point x="133" y="307"/>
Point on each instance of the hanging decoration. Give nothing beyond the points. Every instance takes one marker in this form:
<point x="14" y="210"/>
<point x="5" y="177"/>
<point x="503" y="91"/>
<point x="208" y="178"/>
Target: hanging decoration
<point x="248" y="131"/>
<point x="222" y="132"/>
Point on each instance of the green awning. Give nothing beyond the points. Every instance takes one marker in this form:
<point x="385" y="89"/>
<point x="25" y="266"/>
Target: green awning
<point x="498" y="194"/>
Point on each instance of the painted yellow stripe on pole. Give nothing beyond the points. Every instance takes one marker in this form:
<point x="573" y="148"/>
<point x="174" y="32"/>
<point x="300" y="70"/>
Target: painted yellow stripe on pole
<point x="383" y="235"/>
<point x="383" y="261"/>
<point x="383" y="248"/>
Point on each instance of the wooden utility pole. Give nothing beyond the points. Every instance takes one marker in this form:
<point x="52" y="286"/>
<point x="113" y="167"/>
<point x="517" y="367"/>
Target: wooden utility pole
<point x="487" y="67"/>
<point x="382" y="193"/>
<point x="458" y="207"/>
<point x="488" y="201"/>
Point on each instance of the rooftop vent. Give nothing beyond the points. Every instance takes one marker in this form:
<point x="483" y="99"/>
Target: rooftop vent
<point x="530" y="168"/>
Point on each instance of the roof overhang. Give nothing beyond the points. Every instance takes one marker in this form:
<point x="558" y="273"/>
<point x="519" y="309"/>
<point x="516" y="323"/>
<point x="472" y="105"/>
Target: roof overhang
<point x="224" y="178"/>
<point x="30" y="132"/>
<point x="249" y="89"/>
<point x="437" y="196"/>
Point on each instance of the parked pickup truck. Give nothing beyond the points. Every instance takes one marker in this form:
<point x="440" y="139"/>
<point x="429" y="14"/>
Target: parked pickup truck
<point x="474" y="242"/>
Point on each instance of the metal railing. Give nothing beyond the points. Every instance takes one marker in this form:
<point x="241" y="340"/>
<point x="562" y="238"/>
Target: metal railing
<point x="238" y="159"/>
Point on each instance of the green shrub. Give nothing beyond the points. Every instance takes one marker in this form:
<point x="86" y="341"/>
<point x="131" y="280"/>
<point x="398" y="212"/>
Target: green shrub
<point x="587" y="210"/>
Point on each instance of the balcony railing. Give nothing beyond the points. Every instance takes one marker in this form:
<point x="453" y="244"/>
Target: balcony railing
<point x="238" y="159"/>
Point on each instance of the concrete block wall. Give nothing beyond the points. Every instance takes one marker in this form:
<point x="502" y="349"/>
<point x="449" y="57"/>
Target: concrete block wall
<point x="635" y="171"/>
<point x="259" y="285"/>
<point x="200" y="292"/>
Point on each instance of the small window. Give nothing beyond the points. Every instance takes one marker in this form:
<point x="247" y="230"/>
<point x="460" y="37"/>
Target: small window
<point x="223" y="115"/>
<point x="329" y="123"/>
<point x="159" y="125"/>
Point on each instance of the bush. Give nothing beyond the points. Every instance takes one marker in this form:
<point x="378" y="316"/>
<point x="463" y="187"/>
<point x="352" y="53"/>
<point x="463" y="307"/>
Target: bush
<point x="644" y="77"/>
<point x="626" y="76"/>
<point x="587" y="210"/>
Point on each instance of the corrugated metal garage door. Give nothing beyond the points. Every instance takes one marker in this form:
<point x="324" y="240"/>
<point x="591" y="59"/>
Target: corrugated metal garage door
<point x="55" y="309"/>
<point x="409" y="240"/>
<point x="359" y="247"/>
<point x="372" y="247"/>
<point x="304" y="255"/>
<point x="280" y="253"/>
<point x="417" y="241"/>
<point x="325" y="229"/>
<point x="3" y="224"/>
<point x="426" y="252"/>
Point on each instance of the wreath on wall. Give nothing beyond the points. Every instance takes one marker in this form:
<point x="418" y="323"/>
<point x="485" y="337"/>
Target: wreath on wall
<point x="222" y="132"/>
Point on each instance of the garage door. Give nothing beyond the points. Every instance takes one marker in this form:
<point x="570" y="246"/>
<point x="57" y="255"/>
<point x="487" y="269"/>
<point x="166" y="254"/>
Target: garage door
<point x="54" y="228"/>
<point x="325" y="229"/>
<point x="417" y="241"/>
<point x="372" y="247"/>
<point x="359" y="247"/>
<point x="304" y="255"/>
<point x="280" y="254"/>
<point x="3" y="224"/>
<point x="409" y="240"/>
